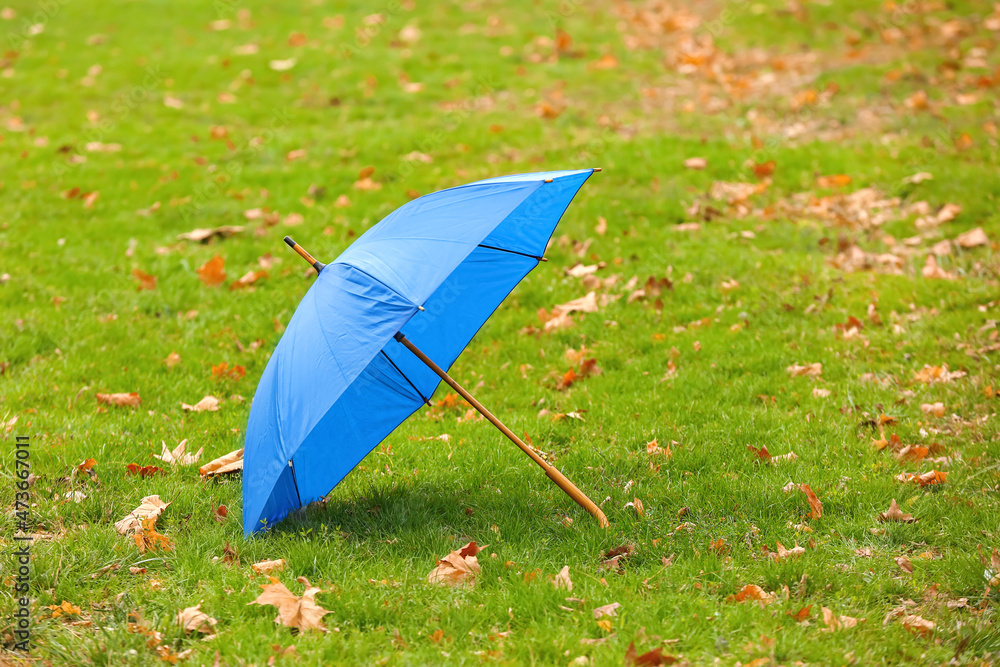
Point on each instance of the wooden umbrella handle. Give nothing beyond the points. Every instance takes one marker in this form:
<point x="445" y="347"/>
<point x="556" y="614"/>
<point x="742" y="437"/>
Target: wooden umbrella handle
<point x="560" y="479"/>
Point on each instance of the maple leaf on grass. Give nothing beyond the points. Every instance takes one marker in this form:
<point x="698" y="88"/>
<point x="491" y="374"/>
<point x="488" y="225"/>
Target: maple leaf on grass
<point x="653" y="448"/>
<point x="147" y="539"/>
<point x="150" y="507"/>
<point x="895" y="514"/>
<point x="458" y="567"/>
<point x="228" y="463"/>
<point x="212" y="272"/>
<point x="177" y="456"/>
<point x="206" y="404"/>
<point x="752" y="592"/>
<point x="918" y="626"/>
<point x="122" y="400"/>
<point x="782" y="553"/>
<point x="293" y="611"/>
<point x="141" y="471"/>
<point x="816" y="507"/>
<point x="193" y="619"/>
<point x="562" y="580"/>
<point x="67" y="608"/>
<point x="651" y="658"/>
<point x="269" y="566"/>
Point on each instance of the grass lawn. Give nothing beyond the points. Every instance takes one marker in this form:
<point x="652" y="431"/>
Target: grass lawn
<point x="815" y="284"/>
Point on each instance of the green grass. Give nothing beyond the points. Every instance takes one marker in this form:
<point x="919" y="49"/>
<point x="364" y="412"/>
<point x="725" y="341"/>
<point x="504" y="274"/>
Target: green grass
<point x="401" y="509"/>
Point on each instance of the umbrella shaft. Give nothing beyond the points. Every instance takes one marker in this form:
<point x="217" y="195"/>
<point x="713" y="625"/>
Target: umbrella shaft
<point x="561" y="480"/>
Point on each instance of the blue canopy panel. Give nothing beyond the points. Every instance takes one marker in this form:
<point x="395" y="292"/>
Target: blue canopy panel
<point x="337" y="383"/>
<point x="340" y="325"/>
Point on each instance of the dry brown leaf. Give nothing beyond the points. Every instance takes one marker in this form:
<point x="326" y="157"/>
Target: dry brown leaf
<point x="177" y="456"/>
<point x="653" y="448"/>
<point x="206" y="404"/>
<point x="249" y="278"/>
<point x="904" y="564"/>
<point x="172" y="360"/>
<point x="585" y="304"/>
<point x="697" y="163"/>
<point x="918" y="625"/>
<point x="562" y="579"/>
<point x="211" y="272"/>
<point x="936" y="409"/>
<point x="609" y="610"/>
<point x="809" y="370"/>
<point x="652" y="658"/>
<point x="752" y="592"/>
<point x="269" y="566"/>
<point x="816" y="507"/>
<point x="932" y="374"/>
<point x="834" y="181"/>
<point x="293" y="611"/>
<point x="231" y="462"/>
<point x="192" y="619"/>
<point x="205" y="235"/>
<point x="146" y="281"/>
<point x="972" y="238"/>
<point x="150" y="508"/>
<point x="933" y="271"/>
<point x="895" y="514"/>
<point x="125" y="399"/>
<point x="782" y="553"/>
<point x="147" y="539"/>
<point x="457" y="568"/>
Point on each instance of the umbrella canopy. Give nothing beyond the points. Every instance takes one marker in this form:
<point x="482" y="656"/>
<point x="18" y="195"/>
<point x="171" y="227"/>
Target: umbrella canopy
<point x="338" y="383"/>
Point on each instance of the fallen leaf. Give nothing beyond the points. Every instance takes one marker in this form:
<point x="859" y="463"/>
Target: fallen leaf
<point x="816" y="507"/>
<point x="895" y="514"/>
<point x="130" y="400"/>
<point x="269" y="566"/>
<point x="562" y="579"/>
<point x="205" y="235"/>
<point x="147" y="539"/>
<point x="918" y="625"/>
<point x="192" y="619"/>
<point x="698" y="163"/>
<point x="834" y="181"/>
<point x="231" y="462"/>
<point x="752" y="592"/>
<point x="653" y="448"/>
<point x="904" y="564"/>
<point x="809" y="370"/>
<point x="206" y="404"/>
<point x="972" y="238"/>
<point x="141" y="471"/>
<point x="936" y="409"/>
<point x="172" y="360"/>
<point x="293" y="611"/>
<point x="782" y="553"/>
<point x="146" y="281"/>
<point x="177" y="456"/>
<point x="211" y="272"/>
<point x="457" y="568"/>
<point x="150" y="508"/>
<point x="249" y="278"/>
<point x="606" y="610"/>
<point x="66" y="608"/>
<point x="652" y="658"/>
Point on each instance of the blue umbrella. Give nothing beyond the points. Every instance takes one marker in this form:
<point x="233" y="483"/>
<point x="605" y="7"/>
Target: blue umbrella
<point x="368" y="343"/>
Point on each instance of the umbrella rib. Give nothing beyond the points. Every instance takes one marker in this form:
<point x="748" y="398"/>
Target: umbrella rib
<point x="295" y="482"/>
<point x="513" y="252"/>
<point x="389" y="359"/>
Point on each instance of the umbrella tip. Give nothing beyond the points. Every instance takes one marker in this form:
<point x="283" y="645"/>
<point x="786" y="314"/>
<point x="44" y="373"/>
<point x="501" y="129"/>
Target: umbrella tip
<point x="597" y="169"/>
<point x="290" y="242"/>
<point x="548" y="180"/>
